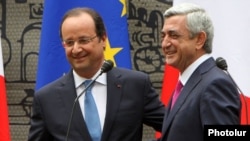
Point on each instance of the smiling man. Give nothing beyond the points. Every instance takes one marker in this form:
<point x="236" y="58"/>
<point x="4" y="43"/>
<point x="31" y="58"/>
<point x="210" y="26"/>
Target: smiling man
<point x="206" y="95"/>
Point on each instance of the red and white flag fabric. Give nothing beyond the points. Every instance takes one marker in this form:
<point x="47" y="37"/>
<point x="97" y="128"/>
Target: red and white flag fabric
<point x="4" y="121"/>
<point x="231" y="41"/>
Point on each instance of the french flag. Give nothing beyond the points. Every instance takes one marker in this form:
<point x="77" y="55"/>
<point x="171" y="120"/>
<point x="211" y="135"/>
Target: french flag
<point x="4" y="121"/>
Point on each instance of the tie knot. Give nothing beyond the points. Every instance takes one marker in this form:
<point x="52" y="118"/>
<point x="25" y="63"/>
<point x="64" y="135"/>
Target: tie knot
<point x="86" y="84"/>
<point x="179" y="86"/>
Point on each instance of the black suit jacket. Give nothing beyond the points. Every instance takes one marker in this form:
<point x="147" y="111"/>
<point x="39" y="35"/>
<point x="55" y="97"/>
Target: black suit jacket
<point x="208" y="97"/>
<point x="131" y="102"/>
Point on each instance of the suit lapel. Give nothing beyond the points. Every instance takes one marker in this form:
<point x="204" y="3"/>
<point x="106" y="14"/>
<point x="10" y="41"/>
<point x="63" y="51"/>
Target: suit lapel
<point x="187" y="89"/>
<point x="114" y="95"/>
<point x="67" y="95"/>
<point x="180" y="101"/>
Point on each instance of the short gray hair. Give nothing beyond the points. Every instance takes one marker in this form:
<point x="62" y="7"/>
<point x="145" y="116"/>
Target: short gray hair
<point x="197" y="20"/>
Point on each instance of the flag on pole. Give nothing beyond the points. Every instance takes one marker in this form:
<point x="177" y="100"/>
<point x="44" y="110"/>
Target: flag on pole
<point x="231" y="42"/>
<point x="4" y="120"/>
<point x="52" y="62"/>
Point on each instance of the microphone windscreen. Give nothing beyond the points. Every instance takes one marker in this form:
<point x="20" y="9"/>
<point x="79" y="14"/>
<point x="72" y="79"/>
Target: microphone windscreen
<point x="107" y="65"/>
<point x="221" y="63"/>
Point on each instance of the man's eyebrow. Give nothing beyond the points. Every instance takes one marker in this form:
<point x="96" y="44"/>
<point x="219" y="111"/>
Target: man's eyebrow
<point x="172" y="31"/>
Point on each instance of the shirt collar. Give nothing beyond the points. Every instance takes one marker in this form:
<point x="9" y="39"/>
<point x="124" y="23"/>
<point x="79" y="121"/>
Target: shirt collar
<point x="191" y="68"/>
<point x="102" y="79"/>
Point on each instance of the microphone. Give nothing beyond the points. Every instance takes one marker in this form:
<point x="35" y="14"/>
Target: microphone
<point x="107" y="66"/>
<point x="222" y="64"/>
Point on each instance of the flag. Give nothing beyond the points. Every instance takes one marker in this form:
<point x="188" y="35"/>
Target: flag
<point x="52" y="62"/>
<point x="231" y="41"/>
<point x="170" y="79"/>
<point x="4" y="120"/>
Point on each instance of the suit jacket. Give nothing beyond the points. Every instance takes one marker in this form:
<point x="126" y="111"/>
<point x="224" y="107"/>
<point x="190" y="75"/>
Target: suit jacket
<point x="131" y="102"/>
<point x="209" y="97"/>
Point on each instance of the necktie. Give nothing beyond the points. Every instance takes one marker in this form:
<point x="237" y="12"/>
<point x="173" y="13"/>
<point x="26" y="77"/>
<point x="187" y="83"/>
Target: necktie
<point x="91" y="114"/>
<point x="176" y="93"/>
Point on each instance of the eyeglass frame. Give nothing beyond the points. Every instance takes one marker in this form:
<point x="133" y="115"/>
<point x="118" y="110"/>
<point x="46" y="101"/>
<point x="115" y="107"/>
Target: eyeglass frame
<point x="80" y="41"/>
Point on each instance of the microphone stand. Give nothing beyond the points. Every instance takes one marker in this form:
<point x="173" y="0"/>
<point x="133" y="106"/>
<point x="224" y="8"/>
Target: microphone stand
<point x="241" y="93"/>
<point x="222" y="64"/>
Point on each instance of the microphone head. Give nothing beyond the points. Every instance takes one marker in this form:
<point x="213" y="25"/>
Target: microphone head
<point x="221" y="63"/>
<point x="107" y="65"/>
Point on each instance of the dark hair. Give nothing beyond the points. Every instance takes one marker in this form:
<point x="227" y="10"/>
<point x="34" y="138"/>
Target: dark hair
<point x="99" y="24"/>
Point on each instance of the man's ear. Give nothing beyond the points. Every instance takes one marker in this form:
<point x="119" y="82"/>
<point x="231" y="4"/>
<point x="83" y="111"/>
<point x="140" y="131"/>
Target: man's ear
<point x="104" y="40"/>
<point x="201" y="38"/>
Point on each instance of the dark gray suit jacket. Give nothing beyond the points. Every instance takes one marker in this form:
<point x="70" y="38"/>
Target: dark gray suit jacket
<point x="131" y="102"/>
<point x="208" y="97"/>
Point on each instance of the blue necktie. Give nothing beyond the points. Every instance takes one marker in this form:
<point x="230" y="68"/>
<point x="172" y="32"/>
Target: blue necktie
<point x="91" y="114"/>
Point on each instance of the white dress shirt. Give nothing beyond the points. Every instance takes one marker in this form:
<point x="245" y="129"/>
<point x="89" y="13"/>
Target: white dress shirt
<point x="99" y="92"/>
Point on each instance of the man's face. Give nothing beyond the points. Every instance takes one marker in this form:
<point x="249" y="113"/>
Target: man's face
<point x="178" y="47"/>
<point x="84" y="50"/>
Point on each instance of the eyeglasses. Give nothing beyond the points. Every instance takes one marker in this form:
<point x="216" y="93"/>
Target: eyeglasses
<point x="80" y="41"/>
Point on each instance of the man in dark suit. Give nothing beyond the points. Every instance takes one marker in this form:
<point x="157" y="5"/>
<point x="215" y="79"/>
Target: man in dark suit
<point x="207" y="95"/>
<point x="125" y="99"/>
